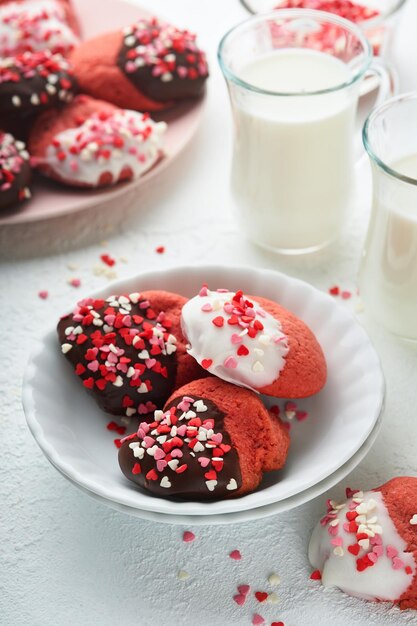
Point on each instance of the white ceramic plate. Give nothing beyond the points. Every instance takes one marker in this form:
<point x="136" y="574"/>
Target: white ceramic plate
<point x="53" y="200"/>
<point x="71" y="431"/>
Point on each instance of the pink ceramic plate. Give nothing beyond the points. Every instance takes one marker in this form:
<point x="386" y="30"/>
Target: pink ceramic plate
<point x="51" y="200"/>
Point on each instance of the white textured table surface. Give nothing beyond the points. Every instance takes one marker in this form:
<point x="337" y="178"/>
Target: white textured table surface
<point x="64" y="558"/>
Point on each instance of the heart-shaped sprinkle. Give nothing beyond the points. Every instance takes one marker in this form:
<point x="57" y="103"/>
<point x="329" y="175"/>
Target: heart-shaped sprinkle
<point x="207" y="307"/>
<point x="397" y="563"/>
<point x="136" y="469"/>
<point x="244" y="589"/>
<point x="354" y="549"/>
<point x="372" y="557"/>
<point x="230" y="362"/>
<point x="211" y="484"/>
<point x="378" y="550"/>
<point x="391" y="552"/>
<point x="218" y="321"/>
<point x="235" y="555"/>
<point x="242" y="350"/>
<point x="203" y="460"/>
<point x="277" y="624"/>
<point x="199" y="406"/>
<point x="161" y="465"/>
<point x="236" y="338"/>
<point x="240" y="599"/>
<point x="206" y="363"/>
<point x="274" y="580"/>
<point x="413" y="520"/>
<point x="188" y="536"/>
<point x="316" y="575"/>
<point x="261" y="596"/>
<point x="165" y="482"/>
<point x="232" y="485"/>
<point x="257" y="620"/>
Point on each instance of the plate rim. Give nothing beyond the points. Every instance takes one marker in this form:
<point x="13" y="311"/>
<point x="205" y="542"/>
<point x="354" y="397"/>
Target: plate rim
<point x="91" y="485"/>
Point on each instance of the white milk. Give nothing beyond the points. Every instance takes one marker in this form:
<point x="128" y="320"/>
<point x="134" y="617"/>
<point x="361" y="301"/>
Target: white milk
<point x="292" y="171"/>
<point x="388" y="277"/>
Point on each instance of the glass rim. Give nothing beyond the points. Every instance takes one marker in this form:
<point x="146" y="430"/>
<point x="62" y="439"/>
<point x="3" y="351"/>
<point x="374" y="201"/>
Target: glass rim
<point x="371" y="22"/>
<point x="367" y="127"/>
<point x="302" y="13"/>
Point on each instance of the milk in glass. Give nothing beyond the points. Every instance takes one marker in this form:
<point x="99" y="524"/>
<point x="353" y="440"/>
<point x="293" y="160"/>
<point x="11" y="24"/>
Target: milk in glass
<point x="292" y="168"/>
<point x="389" y="269"/>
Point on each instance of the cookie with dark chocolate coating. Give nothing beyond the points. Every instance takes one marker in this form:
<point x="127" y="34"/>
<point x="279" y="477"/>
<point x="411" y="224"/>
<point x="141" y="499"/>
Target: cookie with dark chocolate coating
<point x="147" y="67"/>
<point x="128" y="350"/>
<point x="213" y="440"/>
<point x="15" y="171"/>
<point x="34" y="81"/>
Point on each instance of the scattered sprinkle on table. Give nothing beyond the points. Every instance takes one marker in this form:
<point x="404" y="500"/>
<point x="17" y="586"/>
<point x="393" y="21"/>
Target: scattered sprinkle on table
<point x="261" y="596"/>
<point x="257" y="620"/>
<point x="274" y="580"/>
<point x="114" y="426"/>
<point x="183" y="575"/>
<point x="188" y="536"/>
<point x="316" y="575"/>
<point x="235" y="555"/>
<point x="74" y="282"/>
<point x="272" y="598"/>
<point x="160" y="249"/>
<point x="43" y="295"/>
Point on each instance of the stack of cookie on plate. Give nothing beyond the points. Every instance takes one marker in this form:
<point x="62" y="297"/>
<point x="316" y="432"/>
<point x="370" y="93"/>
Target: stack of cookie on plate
<point x="190" y="374"/>
<point x="79" y="112"/>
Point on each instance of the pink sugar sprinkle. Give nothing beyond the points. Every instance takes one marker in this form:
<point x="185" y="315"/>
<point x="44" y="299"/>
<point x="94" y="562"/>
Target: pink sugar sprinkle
<point x="75" y="282"/>
<point x="346" y="295"/>
<point x="257" y="620"/>
<point x="43" y="294"/>
<point x="230" y="362"/>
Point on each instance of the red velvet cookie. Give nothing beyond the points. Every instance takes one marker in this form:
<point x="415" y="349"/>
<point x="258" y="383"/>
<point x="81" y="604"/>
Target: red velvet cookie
<point x="34" y="81"/>
<point x="253" y="342"/>
<point x="91" y="143"/>
<point x="15" y="171"/>
<point x="128" y="350"/>
<point x="368" y="546"/>
<point x="147" y="67"/>
<point x="213" y="440"/>
<point x="36" y="25"/>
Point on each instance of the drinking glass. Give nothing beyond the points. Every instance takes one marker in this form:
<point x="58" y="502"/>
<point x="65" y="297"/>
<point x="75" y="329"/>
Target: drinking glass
<point x="388" y="274"/>
<point x="293" y="150"/>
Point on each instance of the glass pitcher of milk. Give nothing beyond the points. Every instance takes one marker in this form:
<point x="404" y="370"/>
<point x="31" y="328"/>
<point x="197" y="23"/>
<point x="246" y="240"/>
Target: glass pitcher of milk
<point x="294" y="78"/>
<point x="388" y="275"/>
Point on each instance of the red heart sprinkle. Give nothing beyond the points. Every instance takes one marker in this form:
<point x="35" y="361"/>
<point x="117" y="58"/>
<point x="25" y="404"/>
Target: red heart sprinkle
<point x="137" y="469"/>
<point x="160" y="249"/>
<point x="261" y="596"/>
<point x="206" y="363"/>
<point x="277" y="624"/>
<point x="152" y="475"/>
<point x="334" y="291"/>
<point x="354" y="549"/>
<point x="316" y="575"/>
<point x="235" y="555"/>
<point x="351" y="515"/>
<point x="257" y="620"/>
<point x="211" y="475"/>
<point x="218" y="321"/>
<point x="117" y="443"/>
<point x="89" y="383"/>
<point x="408" y="570"/>
<point x="242" y="350"/>
<point x="244" y="589"/>
<point x="188" y="536"/>
<point x="127" y="402"/>
<point x="79" y="369"/>
<point x="108" y="260"/>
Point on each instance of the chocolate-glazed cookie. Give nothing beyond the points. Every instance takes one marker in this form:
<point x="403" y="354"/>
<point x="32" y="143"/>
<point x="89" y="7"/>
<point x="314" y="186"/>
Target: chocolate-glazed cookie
<point x="15" y="171"/>
<point x="162" y="61"/>
<point x="212" y="441"/>
<point x="34" y="81"/>
<point x="185" y="452"/>
<point x="128" y="350"/>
